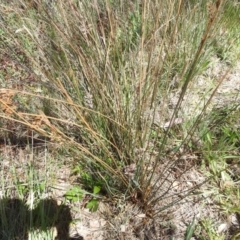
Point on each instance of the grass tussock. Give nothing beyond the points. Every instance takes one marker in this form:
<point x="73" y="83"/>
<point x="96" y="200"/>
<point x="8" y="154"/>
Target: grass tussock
<point x="110" y="83"/>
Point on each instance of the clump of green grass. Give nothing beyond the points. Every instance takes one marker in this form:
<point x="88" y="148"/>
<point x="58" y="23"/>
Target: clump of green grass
<point x="105" y="73"/>
<point x="221" y="152"/>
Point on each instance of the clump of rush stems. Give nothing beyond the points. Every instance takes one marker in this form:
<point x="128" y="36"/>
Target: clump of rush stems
<point x="102" y="74"/>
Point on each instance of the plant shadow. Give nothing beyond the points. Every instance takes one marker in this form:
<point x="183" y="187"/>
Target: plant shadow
<point x="16" y="219"/>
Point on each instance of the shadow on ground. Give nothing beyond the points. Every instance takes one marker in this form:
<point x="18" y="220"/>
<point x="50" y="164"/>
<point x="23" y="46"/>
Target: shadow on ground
<point x="16" y="220"/>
